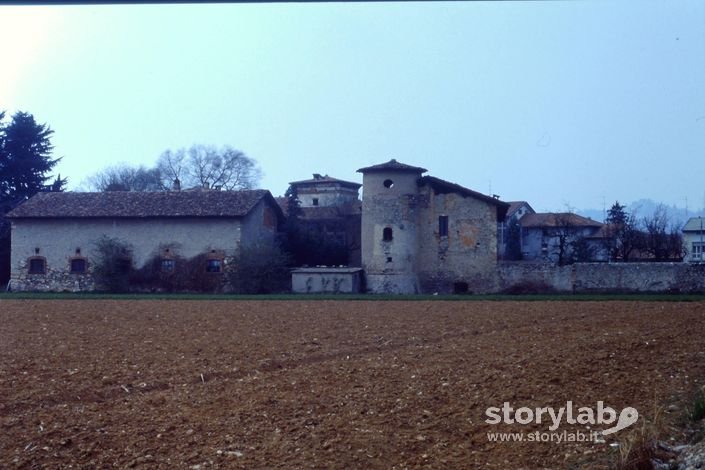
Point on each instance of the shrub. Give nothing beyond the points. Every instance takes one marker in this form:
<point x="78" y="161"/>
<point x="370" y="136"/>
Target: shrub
<point x="259" y="269"/>
<point x="112" y="264"/>
<point x="186" y="275"/>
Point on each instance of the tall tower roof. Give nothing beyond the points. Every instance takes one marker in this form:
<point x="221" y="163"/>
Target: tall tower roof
<point x="392" y="165"/>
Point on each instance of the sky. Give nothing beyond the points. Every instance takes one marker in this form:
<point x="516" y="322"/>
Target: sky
<point x="562" y="104"/>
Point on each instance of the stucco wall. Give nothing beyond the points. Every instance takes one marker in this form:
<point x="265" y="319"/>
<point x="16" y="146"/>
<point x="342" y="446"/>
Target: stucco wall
<point x="328" y="194"/>
<point x="259" y="226"/>
<point x="605" y="277"/>
<point x="312" y="281"/>
<point x="689" y="240"/>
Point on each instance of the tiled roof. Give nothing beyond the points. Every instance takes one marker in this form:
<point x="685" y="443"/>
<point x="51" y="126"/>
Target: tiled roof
<point x="327" y="179"/>
<point x="446" y="186"/>
<point x="392" y="165"/>
<point x="197" y="203"/>
<point x="553" y="219"/>
<point x="516" y="205"/>
<point x="695" y="224"/>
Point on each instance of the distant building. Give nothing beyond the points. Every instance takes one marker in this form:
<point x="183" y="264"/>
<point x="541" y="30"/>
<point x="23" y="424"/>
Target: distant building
<point x="54" y="234"/>
<point x="330" y="210"/>
<point x="694" y="240"/>
<point x="552" y="236"/>
<point x="424" y="234"/>
<point x="517" y="209"/>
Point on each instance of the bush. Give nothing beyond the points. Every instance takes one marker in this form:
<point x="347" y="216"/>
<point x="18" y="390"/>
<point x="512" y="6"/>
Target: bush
<point x="259" y="269"/>
<point x="186" y="275"/>
<point x="112" y="264"/>
<point x="529" y="287"/>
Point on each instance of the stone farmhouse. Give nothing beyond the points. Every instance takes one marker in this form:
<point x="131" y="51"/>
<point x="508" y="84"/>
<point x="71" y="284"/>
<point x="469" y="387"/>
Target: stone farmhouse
<point x="54" y="234"/>
<point x="424" y="234"/>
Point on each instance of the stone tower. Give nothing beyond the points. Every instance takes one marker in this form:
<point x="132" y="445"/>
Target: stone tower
<point x="389" y="227"/>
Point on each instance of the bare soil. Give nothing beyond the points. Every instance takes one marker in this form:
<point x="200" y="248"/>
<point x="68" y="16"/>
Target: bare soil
<point x="327" y="384"/>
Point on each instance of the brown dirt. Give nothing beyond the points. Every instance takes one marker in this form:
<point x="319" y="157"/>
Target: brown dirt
<point x="326" y="384"/>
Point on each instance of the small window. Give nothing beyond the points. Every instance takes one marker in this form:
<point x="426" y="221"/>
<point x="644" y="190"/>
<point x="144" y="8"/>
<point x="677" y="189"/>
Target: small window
<point x="78" y="265"/>
<point x="388" y="183"/>
<point x="213" y="266"/>
<point x="315" y="201"/>
<point x="37" y="266"/>
<point x="461" y="287"/>
<point x="168" y="265"/>
<point x="443" y="225"/>
<point x="387" y="234"/>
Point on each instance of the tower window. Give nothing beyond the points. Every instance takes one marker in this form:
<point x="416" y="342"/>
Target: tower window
<point x="315" y="201"/>
<point x="388" y="183"/>
<point x="443" y="225"/>
<point x="387" y="234"/>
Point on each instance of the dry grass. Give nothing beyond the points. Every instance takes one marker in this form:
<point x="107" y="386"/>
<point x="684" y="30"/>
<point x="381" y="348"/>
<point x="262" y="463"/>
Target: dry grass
<point x="639" y="447"/>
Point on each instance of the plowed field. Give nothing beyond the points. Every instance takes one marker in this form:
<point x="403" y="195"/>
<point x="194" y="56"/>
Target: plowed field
<point x="325" y="384"/>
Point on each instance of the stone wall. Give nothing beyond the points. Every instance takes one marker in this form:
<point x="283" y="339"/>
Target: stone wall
<point x="55" y="279"/>
<point x="465" y="258"/>
<point x="390" y="265"/>
<point x="602" y="277"/>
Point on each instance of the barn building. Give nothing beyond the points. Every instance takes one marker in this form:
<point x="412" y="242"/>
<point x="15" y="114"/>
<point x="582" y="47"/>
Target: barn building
<point x="54" y="235"/>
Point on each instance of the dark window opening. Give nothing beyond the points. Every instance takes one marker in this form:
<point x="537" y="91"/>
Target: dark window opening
<point x="213" y="266"/>
<point x="388" y="183"/>
<point x="389" y="259"/>
<point x="168" y="265"/>
<point x="37" y="266"/>
<point x="460" y="287"/>
<point x="78" y="265"/>
<point x="443" y="225"/>
<point x="387" y="234"/>
<point x="315" y="201"/>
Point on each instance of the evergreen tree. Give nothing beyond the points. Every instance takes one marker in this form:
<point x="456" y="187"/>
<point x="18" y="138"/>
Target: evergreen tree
<point x="25" y="166"/>
<point x="25" y="160"/>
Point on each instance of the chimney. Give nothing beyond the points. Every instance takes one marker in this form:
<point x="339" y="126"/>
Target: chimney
<point x="317" y="176"/>
<point x="177" y="185"/>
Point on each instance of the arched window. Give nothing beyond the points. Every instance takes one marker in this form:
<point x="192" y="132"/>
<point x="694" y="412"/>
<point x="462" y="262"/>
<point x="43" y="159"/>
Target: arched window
<point x="387" y="234"/>
<point x="388" y="183"/>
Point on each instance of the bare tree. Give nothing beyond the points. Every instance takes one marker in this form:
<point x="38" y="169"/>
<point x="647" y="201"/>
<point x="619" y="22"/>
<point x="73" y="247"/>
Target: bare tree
<point x="123" y="177"/>
<point x="173" y="167"/>
<point x="662" y="238"/>
<point x="209" y="167"/>
<point x="564" y="233"/>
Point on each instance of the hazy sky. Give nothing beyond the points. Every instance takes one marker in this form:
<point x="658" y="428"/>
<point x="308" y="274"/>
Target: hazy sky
<point x="556" y="103"/>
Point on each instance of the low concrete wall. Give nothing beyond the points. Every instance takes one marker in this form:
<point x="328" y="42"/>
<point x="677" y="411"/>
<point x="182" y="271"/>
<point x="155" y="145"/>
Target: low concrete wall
<point x="326" y="280"/>
<point x="602" y="277"/>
